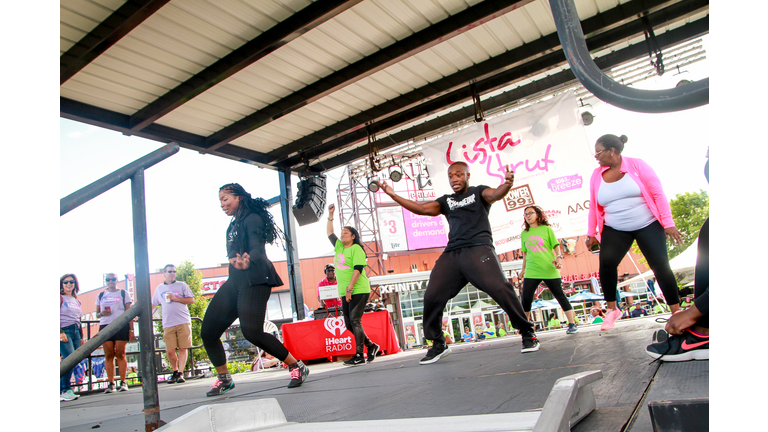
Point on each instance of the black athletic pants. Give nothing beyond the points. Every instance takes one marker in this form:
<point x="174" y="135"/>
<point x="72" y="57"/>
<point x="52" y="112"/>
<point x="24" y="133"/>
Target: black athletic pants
<point x="236" y="299"/>
<point x="480" y="266"/>
<point x="615" y="244"/>
<point x="701" y="284"/>
<point x="353" y="316"/>
<point x="555" y="287"/>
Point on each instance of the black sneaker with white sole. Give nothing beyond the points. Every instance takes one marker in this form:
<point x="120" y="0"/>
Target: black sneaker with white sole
<point x="676" y="348"/>
<point x="530" y="342"/>
<point x="373" y="350"/>
<point x="356" y="360"/>
<point x="110" y="388"/>
<point x="438" y="351"/>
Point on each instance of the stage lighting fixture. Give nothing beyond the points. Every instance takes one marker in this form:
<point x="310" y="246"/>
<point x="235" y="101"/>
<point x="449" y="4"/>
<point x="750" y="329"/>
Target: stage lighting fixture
<point x="395" y="173"/>
<point x="373" y="186"/>
<point x="587" y="118"/>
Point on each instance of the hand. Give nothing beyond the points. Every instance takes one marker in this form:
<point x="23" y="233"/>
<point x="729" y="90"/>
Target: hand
<point x="172" y="297"/>
<point x="674" y="235"/>
<point x="591" y="241"/>
<point x="557" y="264"/>
<point x="387" y="189"/>
<point x="682" y="320"/>
<point x="106" y="312"/>
<point x="331" y="209"/>
<point x="509" y="177"/>
<point x="241" y="262"/>
<point x="64" y="337"/>
<point x="349" y="296"/>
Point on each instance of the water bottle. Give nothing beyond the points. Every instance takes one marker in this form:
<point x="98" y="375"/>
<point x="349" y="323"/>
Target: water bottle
<point x="295" y="317"/>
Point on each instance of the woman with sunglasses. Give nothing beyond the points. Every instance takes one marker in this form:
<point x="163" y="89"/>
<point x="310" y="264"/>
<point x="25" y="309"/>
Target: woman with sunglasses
<point x="245" y="293"/>
<point x="71" y="334"/>
<point x="109" y="306"/>
<point x="628" y="204"/>
<point x="542" y="261"/>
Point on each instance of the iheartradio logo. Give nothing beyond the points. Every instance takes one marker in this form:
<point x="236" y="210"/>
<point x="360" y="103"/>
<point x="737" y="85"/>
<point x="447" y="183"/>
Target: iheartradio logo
<point x="333" y="324"/>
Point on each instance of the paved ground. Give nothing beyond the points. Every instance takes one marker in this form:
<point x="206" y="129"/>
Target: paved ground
<point x="477" y="378"/>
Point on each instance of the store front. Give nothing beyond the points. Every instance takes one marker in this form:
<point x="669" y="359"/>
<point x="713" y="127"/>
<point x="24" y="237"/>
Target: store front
<point x="404" y="296"/>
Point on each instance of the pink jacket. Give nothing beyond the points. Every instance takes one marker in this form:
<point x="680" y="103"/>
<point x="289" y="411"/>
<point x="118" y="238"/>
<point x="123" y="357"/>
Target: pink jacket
<point x="650" y="187"/>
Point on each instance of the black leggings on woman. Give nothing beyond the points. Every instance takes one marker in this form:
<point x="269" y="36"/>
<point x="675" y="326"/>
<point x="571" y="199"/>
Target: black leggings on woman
<point x="353" y="319"/>
<point x="555" y="287"/>
<point x="652" y="240"/>
<point x="236" y="299"/>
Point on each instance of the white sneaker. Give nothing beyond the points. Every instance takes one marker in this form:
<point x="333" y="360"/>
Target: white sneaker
<point x="68" y="395"/>
<point x="123" y="387"/>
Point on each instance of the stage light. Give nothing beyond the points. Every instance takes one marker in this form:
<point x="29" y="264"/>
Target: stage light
<point x="373" y="186"/>
<point x="587" y="118"/>
<point x="395" y="173"/>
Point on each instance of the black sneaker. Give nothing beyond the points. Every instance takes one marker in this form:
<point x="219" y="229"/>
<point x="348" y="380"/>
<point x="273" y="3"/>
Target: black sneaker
<point x="356" y="360"/>
<point x="675" y="348"/>
<point x="180" y="379"/>
<point x="220" y="387"/>
<point x="373" y="350"/>
<point x="438" y="351"/>
<point x="530" y="342"/>
<point x="173" y="377"/>
<point x="110" y="388"/>
<point x="299" y="373"/>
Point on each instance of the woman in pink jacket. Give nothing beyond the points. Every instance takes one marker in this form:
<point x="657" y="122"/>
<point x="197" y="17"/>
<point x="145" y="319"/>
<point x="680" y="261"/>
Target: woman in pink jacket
<point x="627" y="203"/>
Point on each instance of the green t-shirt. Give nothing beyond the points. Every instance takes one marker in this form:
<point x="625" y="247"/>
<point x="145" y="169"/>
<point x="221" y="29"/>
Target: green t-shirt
<point x="489" y="332"/>
<point x="502" y="333"/>
<point x="345" y="260"/>
<point x="554" y="322"/>
<point x="539" y="244"/>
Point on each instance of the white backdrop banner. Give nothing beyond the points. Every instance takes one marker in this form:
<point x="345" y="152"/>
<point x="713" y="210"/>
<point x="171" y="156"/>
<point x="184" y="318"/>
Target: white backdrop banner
<point x="545" y="145"/>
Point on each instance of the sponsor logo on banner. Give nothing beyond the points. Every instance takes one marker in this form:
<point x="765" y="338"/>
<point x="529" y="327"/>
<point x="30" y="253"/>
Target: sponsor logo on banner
<point x="518" y="198"/>
<point x="336" y="344"/>
<point x="562" y="184"/>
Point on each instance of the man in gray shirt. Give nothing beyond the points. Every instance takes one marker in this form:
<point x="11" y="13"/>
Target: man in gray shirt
<point x="173" y="297"/>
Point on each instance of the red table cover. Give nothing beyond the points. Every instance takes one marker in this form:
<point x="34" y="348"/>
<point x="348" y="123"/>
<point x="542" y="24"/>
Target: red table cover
<point x="329" y="337"/>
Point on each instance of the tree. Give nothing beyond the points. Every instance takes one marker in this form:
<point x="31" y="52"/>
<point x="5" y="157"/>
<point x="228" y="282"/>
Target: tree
<point x="187" y="273"/>
<point x="689" y="211"/>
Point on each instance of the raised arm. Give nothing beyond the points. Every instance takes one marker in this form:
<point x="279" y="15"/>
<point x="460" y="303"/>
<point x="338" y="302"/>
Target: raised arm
<point x="429" y="208"/>
<point x="492" y="195"/>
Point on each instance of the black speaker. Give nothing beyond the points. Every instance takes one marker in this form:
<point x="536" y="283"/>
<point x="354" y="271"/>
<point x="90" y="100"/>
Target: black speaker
<point x="310" y="200"/>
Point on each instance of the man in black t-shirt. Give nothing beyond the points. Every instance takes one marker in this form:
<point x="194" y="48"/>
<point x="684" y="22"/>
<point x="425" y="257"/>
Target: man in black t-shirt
<point x="468" y="257"/>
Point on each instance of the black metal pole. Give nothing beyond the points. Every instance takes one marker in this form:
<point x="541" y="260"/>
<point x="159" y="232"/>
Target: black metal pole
<point x="291" y="249"/>
<point x="144" y="303"/>
<point x="82" y="196"/>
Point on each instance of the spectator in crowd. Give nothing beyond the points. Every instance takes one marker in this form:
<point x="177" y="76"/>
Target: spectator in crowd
<point x="554" y="322"/>
<point x="330" y="279"/>
<point x="173" y="297"/>
<point x="489" y="331"/>
<point x="110" y="304"/>
<point x="468" y="336"/>
<point x="596" y="316"/>
<point x="70" y="331"/>
<point x="500" y="331"/>
<point x="638" y="311"/>
<point x="660" y="306"/>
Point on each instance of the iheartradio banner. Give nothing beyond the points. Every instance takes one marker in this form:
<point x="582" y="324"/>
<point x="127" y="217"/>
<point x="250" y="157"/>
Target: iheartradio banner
<point x="547" y="148"/>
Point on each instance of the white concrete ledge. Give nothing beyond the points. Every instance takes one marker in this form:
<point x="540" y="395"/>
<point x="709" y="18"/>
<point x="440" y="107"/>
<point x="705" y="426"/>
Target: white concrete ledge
<point x="230" y="417"/>
<point x="570" y="400"/>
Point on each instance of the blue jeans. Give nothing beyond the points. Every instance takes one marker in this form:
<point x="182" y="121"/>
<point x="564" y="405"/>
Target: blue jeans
<point x="67" y="348"/>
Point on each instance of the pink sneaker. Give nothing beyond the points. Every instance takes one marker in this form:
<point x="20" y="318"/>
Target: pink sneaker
<point x="610" y="319"/>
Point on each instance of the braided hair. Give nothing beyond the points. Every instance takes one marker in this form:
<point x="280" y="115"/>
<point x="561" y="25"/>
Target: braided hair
<point x="269" y="229"/>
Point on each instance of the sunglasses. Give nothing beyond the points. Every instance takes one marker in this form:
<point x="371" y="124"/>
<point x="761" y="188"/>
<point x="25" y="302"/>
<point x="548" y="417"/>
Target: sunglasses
<point x="68" y="282"/>
<point x="110" y="279"/>
<point x="171" y="271"/>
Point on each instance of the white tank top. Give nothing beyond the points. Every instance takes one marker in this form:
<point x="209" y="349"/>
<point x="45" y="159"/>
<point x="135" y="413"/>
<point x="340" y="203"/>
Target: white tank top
<point x="625" y="207"/>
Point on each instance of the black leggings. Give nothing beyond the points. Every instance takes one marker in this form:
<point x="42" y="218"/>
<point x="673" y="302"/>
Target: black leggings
<point x="652" y="240"/>
<point x="555" y="287"/>
<point x="236" y="299"/>
<point x="480" y="266"/>
<point x="701" y="275"/>
<point x="353" y="316"/>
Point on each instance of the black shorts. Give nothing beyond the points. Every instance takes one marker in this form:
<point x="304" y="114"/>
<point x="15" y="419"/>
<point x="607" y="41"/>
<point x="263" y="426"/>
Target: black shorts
<point x="121" y="335"/>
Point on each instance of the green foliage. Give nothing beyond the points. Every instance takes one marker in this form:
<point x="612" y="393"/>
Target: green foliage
<point x="187" y="273"/>
<point x="689" y="211"/>
<point x="238" y="367"/>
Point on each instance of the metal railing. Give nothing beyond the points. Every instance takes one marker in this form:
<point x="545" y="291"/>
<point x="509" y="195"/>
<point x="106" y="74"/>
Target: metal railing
<point x="143" y="305"/>
<point x="89" y="369"/>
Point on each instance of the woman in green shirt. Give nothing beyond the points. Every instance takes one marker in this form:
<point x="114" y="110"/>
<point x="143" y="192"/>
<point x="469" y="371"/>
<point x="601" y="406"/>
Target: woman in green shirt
<point x="354" y="289"/>
<point x="540" y="263"/>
